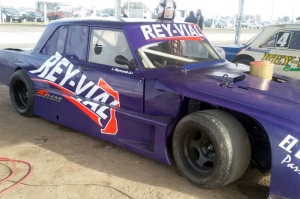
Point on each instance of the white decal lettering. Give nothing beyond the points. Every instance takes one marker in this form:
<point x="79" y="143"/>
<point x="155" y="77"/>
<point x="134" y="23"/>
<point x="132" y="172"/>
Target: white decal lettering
<point x="295" y="168"/>
<point x="287" y="159"/>
<point x="92" y="104"/>
<point x="292" y="166"/>
<point x="196" y="29"/>
<point x="193" y="32"/>
<point x="47" y="65"/>
<point x="79" y="100"/>
<point x="291" y="141"/>
<point x="80" y="88"/>
<point x="147" y="31"/>
<point x="101" y="113"/>
<point x="69" y="74"/>
<point x="157" y="29"/>
<point x="297" y="155"/>
<point x="167" y="28"/>
<point x="179" y="29"/>
<point x="92" y="91"/>
<point x="186" y="30"/>
<point x="283" y="39"/>
<point x="57" y="69"/>
<point x="103" y="96"/>
<point x="114" y="103"/>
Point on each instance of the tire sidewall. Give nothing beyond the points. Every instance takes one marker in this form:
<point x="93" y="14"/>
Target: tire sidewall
<point x="215" y="131"/>
<point x="21" y="75"/>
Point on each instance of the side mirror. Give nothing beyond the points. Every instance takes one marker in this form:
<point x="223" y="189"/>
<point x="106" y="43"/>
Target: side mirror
<point x="120" y="59"/>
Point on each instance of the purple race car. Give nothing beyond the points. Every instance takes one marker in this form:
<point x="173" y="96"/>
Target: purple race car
<point x="160" y="89"/>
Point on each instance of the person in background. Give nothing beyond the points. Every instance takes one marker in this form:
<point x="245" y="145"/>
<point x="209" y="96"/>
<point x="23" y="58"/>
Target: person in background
<point x="191" y="18"/>
<point x="166" y="10"/>
<point x="124" y="14"/>
<point x="200" y="19"/>
<point x="190" y="46"/>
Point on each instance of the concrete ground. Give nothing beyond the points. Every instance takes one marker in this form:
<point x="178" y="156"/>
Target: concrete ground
<point x="70" y="164"/>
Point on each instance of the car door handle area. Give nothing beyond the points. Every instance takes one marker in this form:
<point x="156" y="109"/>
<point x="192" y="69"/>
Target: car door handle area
<point x="85" y="69"/>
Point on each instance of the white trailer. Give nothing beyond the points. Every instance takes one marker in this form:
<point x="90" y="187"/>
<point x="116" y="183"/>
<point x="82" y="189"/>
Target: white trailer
<point x="181" y="15"/>
<point x="140" y="13"/>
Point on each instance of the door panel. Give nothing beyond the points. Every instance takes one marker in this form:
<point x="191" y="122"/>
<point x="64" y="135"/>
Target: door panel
<point x="104" y="86"/>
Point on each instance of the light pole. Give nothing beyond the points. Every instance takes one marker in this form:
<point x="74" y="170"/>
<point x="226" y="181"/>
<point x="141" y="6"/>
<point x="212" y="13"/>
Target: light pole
<point x="117" y="8"/>
<point x="128" y="6"/>
<point x="272" y="11"/>
<point x="45" y="13"/>
<point x="0" y="13"/>
<point x="238" y="25"/>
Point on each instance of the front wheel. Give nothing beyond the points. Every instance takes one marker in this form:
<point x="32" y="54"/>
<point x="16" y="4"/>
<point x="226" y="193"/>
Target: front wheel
<point x="211" y="148"/>
<point x="22" y="93"/>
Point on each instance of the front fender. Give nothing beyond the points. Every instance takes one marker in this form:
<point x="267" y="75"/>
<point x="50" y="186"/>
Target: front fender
<point x="285" y="173"/>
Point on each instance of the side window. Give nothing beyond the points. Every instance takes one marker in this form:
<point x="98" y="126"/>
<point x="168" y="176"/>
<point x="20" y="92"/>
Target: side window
<point x="76" y="42"/>
<point x="56" y="43"/>
<point x="271" y="42"/>
<point x="106" y="45"/>
<point x="295" y="40"/>
<point x="283" y="39"/>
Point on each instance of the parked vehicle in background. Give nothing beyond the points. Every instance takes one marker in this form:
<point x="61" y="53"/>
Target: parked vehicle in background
<point x="265" y="23"/>
<point x="230" y="24"/>
<point x="22" y="12"/>
<point x="219" y="23"/>
<point x="83" y="13"/>
<point x="33" y="15"/>
<point x="208" y="22"/>
<point x="279" y="44"/>
<point x="55" y="10"/>
<point x="255" y="25"/>
<point x="226" y="23"/>
<point x="11" y="14"/>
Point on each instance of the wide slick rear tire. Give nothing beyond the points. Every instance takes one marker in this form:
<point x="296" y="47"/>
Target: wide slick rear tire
<point x="211" y="148"/>
<point x="22" y="93"/>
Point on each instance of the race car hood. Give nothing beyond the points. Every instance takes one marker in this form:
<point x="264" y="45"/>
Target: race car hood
<point x="237" y="46"/>
<point x="229" y="85"/>
<point x="229" y="51"/>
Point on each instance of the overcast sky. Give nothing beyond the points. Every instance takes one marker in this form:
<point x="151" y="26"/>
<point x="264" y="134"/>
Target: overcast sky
<point x="209" y="8"/>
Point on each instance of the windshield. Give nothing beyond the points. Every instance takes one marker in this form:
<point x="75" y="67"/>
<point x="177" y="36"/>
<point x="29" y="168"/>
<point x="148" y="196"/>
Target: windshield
<point x="37" y="14"/>
<point x="10" y="10"/>
<point x="176" y="53"/>
<point x="254" y="38"/>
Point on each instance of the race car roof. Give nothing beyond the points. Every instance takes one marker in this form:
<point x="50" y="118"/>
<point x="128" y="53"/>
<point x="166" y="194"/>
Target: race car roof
<point x="106" y="21"/>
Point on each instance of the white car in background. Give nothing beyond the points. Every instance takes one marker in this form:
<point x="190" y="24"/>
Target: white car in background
<point x="279" y="44"/>
<point x="255" y="25"/>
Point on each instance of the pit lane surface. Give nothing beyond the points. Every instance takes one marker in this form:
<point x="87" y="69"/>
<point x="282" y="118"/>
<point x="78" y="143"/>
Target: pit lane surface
<point x="70" y="164"/>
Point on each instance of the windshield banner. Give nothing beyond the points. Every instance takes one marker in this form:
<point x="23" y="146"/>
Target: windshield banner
<point x="141" y="35"/>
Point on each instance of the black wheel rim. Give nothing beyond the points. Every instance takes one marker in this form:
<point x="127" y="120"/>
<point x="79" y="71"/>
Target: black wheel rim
<point x="21" y="94"/>
<point x="199" y="152"/>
